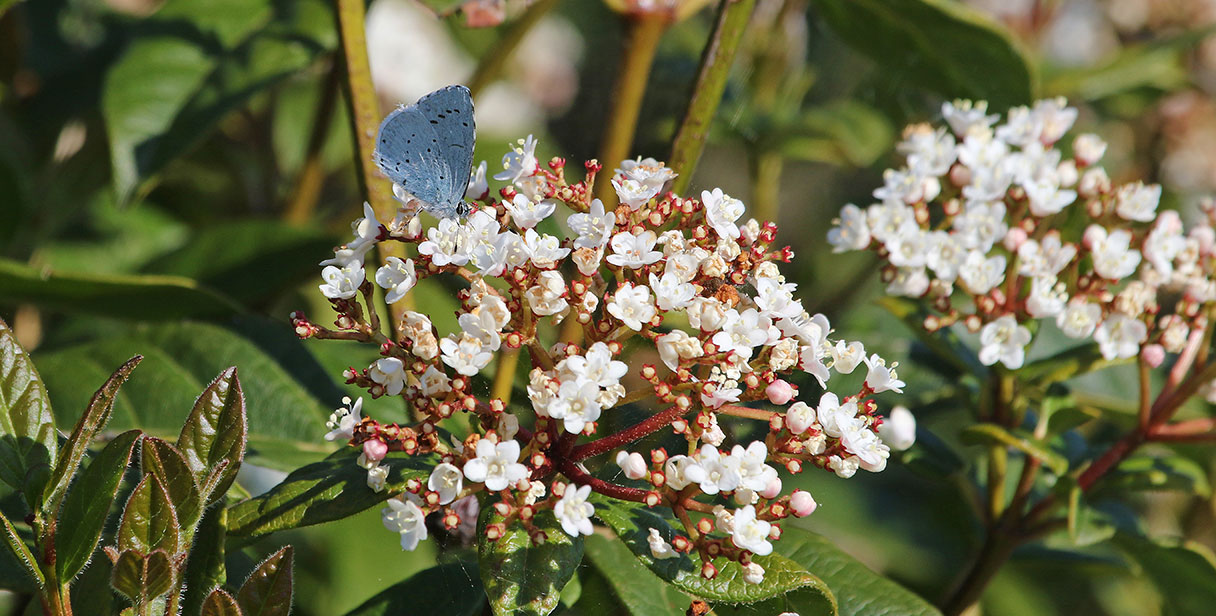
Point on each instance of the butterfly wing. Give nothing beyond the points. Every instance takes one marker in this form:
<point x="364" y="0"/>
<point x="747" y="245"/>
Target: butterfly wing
<point x="449" y="111"/>
<point x="408" y="151"/>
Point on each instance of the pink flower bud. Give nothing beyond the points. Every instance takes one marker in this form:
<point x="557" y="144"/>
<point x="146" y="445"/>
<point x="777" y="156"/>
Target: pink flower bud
<point x="633" y="464"/>
<point x="773" y="489"/>
<point x="1154" y="354"/>
<point x="375" y="449"/>
<point x="802" y="503"/>
<point x="1014" y="239"/>
<point x="1093" y="234"/>
<point x="779" y="392"/>
<point x="799" y="417"/>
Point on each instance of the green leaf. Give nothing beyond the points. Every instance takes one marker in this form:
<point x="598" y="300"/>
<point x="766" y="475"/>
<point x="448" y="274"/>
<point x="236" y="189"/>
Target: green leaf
<point x="944" y="46"/>
<point x="91" y="591"/>
<point x="90" y="423"/>
<point x="448" y="589"/>
<point x="632" y="523"/>
<point x="842" y="132"/>
<point x="151" y="298"/>
<point x="142" y="578"/>
<point x="213" y="439"/>
<point x="1067" y="364"/>
<point x="324" y="491"/>
<point x="858" y="590"/>
<point x="83" y="515"/>
<point x="167" y="463"/>
<point x="149" y="521"/>
<point x="1184" y="573"/>
<point x="21" y="552"/>
<point x="639" y="590"/>
<point x="220" y="603"/>
<point x="944" y="344"/>
<point x="231" y="258"/>
<point x="267" y="592"/>
<point x="519" y="576"/>
<point x="286" y="422"/>
<point x="1160" y="64"/>
<point x="930" y="456"/>
<point x="1141" y="473"/>
<point x="205" y="569"/>
<point x="993" y="434"/>
<point x="28" y="441"/>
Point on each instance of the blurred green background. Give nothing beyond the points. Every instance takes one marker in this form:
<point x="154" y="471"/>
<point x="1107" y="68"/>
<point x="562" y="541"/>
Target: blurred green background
<point x="172" y="172"/>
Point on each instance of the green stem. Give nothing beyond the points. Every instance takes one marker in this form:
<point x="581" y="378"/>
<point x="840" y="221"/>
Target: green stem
<point x="491" y="63"/>
<point x="766" y="184"/>
<point x="716" y="60"/>
<point x="645" y="31"/>
<point x="365" y="121"/>
<point x="307" y="192"/>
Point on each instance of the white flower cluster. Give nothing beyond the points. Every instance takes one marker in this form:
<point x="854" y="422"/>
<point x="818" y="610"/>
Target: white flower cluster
<point x="687" y="277"/>
<point x="982" y="210"/>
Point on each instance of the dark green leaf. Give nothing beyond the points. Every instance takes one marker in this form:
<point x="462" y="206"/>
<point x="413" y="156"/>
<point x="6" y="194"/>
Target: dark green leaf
<point x="131" y="297"/>
<point x="992" y="434"/>
<point x="324" y="491"/>
<point x="28" y="441"/>
<point x="843" y="133"/>
<point x="632" y="523"/>
<point x="231" y="258"/>
<point x="167" y="463"/>
<point x="639" y="590"/>
<point x="267" y="592"/>
<point x="858" y="591"/>
<point x="944" y="344"/>
<point x="1184" y="573"/>
<point x="149" y="521"/>
<point x="947" y="47"/>
<point x="213" y="439"/>
<point x="1068" y="363"/>
<point x="90" y="423"/>
<point x="205" y="569"/>
<point x="286" y="421"/>
<point x="88" y="502"/>
<point x="91" y="591"/>
<point x="521" y="577"/>
<point x="1156" y="473"/>
<point x="1161" y="65"/>
<point x="142" y="578"/>
<point x="452" y="589"/>
<point x="220" y="603"/>
<point x="15" y="545"/>
<point x="930" y="456"/>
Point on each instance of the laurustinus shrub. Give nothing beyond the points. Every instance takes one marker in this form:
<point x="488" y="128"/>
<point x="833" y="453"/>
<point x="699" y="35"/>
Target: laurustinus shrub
<point x="684" y="280"/>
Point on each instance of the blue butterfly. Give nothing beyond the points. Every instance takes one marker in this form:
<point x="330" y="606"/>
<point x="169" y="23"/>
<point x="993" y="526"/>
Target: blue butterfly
<point x="427" y="148"/>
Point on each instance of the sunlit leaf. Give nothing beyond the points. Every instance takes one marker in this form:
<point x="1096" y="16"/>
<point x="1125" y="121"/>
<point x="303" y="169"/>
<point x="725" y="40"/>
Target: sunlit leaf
<point x="28" y="443"/>
<point x="88" y="503"/>
<point x="521" y="577"/>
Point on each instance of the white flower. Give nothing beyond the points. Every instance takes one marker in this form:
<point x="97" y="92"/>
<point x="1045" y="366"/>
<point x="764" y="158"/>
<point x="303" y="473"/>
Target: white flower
<point x="577" y="404"/>
<point x="707" y="314"/>
<point x="846" y="356"/>
<point x="446" y="480"/>
<point x="433" y="382"/>
<point x="544" y="250"/>
<point x="377" y="476"/>
<point x="466" y="354"/>
<point x="1164" y="242"/>
<point x="672" y="292"/>
<point x="716" y="396"/>
<point x="981" y="224"/>
<point x="1047" y="198"/>
<point x="753" y="573"/>
<point x="979" y="274"/>
<point x="547" y="296"/>
<point x="898" y="431"/>
<point x="1088" y="148"/>
<point x="632" y="305"/>
<point x="478" y="186"/>
<point x="342" y="282"/>
<point x="342" y="422"/>
<point x="775" y="298"/>
<point x="1079" y="319"/>
<point x="1137" y="201"/>
<point x="574" y="512"/>
<point x="526" y="213"/>
<point x="844" y="467"/>
<point x="496" y="465"/>
<point x="907" y="186"/>
<point x="389" y="372"/>
<point x="404" y="516"/>
<point x="367" y="233"/>
<point x="929" y="152"/>
<point x="397" y="277"/>
<point x="880" y="378"/>
<point x="721" y="212"/>
<point x="646" y="171"/>
<point x="594" y="227"/>
<point x="851" y="232"/>
<point x="799" y="417"/>
<point x="1113" y="256"/>
<point x="675" y="346"/>
<point x="742" y="332"/>
<point x="634" y="193"/>
<point x="681" y="471"/>
<point x="660" y="549"/>
<point x="909" y="282"/>
<point x="520" y="162"/>
<point x="721" y="472"/>
<point x="1005" y="341"/>
<point x="597" y="366"/>
<point x="1120" y="336"/>
<point x="754" y="474"/>
<point x="445" y="243"/>
<point x="833" y="415"/>
<point x="783" y="356"/>
<point x="632" y="464"/>
<point x="634" y="251"/>
<point x="862" y="442"/>
<point x="1045" y="258"/>
<point x="963" y="114"/>
<point x="944" y="255"/>
<point x="750" y="533"/>
<point x="1047" y="297"/>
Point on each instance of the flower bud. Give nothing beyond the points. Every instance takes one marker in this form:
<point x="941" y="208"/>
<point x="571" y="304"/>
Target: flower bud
<point x="799" y="417"/>
<point x="632" y="464"/>
<point x="1153" y="354"/>
<point x="899" y="430"/>
<point x="773" y="489"/>
<point x="375" y="449"/>
<point x="779" y="392"/>
<point x="802" y="503"/>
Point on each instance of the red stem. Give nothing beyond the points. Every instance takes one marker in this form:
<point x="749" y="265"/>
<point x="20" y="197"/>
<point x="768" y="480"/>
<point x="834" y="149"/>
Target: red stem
<point x="643" y="428"/>
<point x="570" y="469"/>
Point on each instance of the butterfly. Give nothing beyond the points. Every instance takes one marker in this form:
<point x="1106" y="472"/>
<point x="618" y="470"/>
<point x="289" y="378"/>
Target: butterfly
<point x="427" y="149"/>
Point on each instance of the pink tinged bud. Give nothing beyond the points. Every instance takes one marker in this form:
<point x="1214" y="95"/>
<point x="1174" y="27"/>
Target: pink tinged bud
<point x="632" y="464"/>
<point x="375" y="449"/>
<point x="1015" y="238"/>
<point x="1153" y="354"/>
<point x="802" y="503"/>
<point x="799" y="417"/>
<point x="483" y="14"/>
<point x="1093" y="234"/>
<point x="779" y="392"/>
<point x="773" y="489"/>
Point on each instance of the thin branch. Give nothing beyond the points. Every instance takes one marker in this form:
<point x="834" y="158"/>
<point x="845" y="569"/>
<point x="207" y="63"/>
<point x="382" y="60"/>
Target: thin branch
<point x="307" y="191"/>
<point x="491" y="63"/>
<point x="643" y="428"/>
